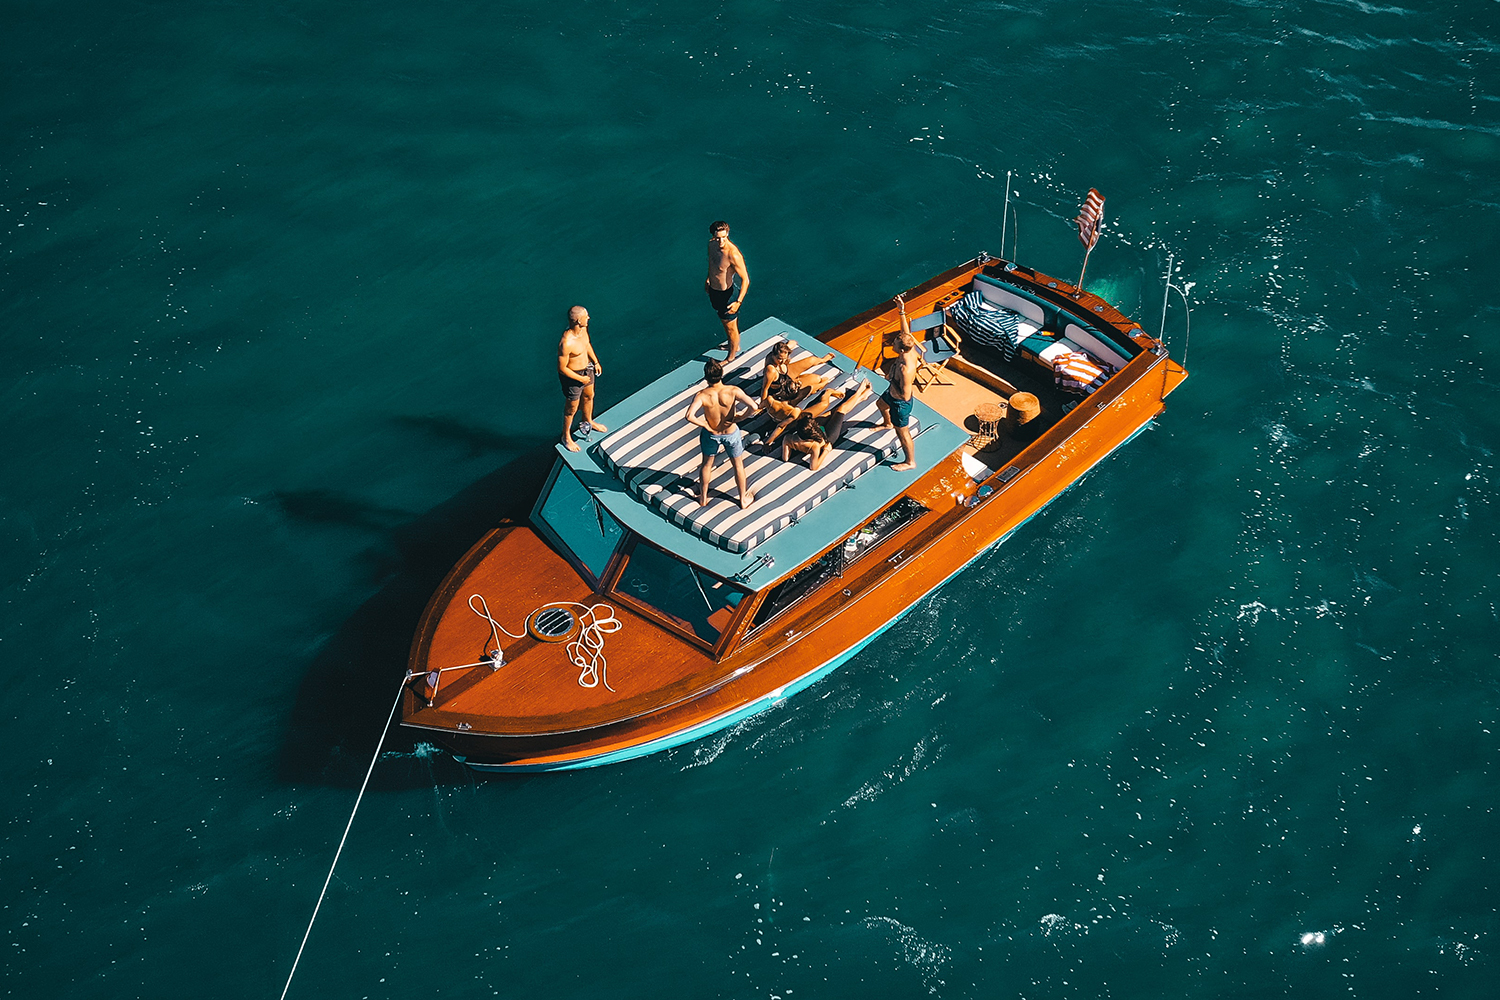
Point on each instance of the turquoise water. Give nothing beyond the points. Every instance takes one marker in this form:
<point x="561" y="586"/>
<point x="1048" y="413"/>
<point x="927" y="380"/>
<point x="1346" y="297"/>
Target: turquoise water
<point x="279" y="291"/>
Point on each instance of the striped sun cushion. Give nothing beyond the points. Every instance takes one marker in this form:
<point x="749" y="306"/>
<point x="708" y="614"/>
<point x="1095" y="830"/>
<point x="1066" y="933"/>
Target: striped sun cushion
<point x="1077" y="372"/>
<point x="656" y="457"/>
<point x="983" y="323"/>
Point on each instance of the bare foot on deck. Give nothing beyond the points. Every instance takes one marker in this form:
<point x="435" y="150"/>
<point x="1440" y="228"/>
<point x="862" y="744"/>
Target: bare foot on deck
<point x="903" y="466"/>
<point x="569" y="444"/>
<point x="746" y="501"/>
<point x="596" y="425"/>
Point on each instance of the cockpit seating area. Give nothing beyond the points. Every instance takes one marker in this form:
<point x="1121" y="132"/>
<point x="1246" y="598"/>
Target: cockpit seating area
<point x="1079" y="358"/>
<point x="1009" y="341"/>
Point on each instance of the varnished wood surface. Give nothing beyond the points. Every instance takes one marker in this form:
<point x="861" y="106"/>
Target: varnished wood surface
<point x="533" y="711"/>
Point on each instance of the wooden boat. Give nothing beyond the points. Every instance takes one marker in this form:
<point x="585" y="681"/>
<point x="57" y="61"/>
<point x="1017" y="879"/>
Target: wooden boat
<point x="629" y="620"/>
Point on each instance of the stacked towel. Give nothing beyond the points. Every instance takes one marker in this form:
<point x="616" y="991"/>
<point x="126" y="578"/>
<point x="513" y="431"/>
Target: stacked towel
<point x="1077" y="372"/>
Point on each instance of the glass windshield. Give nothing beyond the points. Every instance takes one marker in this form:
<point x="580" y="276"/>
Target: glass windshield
<point x="580" y="522"/>
<point x="695" y="599"/>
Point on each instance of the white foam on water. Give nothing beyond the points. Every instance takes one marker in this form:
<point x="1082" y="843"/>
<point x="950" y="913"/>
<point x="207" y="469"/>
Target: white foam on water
<point x="925" y="956"/>
<point x="422" y="751"/>
<point x="707" y="751"/>
<point x="1057" y="925"/>
<point x="926" y="752"/>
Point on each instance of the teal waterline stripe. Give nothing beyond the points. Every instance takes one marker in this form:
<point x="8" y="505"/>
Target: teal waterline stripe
<point x="769" y="701"/>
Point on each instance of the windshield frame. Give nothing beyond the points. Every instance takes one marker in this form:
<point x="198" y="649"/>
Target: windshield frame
<point x="738" y="612"/>
<point x="557" y="539"/>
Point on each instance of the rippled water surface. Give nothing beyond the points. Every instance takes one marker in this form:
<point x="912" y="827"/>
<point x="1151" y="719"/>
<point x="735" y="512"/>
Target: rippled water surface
<point x="279" y="290"/>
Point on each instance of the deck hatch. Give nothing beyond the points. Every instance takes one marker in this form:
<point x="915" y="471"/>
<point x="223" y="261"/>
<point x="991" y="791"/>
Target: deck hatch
<point x="552" y="623"/>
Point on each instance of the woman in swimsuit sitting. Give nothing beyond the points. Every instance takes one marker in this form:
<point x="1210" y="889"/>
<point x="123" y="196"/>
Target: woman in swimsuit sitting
<point x="787" y="381"/>
<point x="816" y="430"/>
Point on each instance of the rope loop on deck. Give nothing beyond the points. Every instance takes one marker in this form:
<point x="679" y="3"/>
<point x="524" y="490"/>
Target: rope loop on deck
<point x="585" y="650"/>
<point x="495" y="627"/>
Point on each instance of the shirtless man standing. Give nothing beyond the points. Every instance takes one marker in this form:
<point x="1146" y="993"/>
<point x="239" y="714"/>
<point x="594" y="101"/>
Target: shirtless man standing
<point x="724" y="262"/>
<point x="895" y="402"/>
<point x="577" y="367"/>
<point x="717" y="403"/>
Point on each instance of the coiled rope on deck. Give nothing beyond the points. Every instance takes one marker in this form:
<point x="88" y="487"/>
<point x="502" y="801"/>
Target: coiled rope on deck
<point x="585" y="650"/>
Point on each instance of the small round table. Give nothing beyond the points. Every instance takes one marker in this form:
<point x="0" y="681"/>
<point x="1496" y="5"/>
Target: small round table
<point x="989" y="416"/>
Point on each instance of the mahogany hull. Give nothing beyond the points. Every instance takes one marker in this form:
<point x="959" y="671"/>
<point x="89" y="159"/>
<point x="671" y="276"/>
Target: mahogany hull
<point x="702" y="691"/>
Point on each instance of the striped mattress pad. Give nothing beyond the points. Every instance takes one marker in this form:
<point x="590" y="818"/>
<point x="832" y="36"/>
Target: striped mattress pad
<point x="656" y="457"/>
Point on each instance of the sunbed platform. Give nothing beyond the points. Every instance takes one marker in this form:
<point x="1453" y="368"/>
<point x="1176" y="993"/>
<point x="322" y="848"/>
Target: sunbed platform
<point x="644" y="471"/>
<point x="657" y="457"/>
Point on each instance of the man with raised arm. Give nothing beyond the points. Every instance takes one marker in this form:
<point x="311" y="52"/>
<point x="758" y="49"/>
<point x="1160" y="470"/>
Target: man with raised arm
<point x="577" y="367"/>
<point x="895" y="402"/>
<point x="717" y="405"/>
<point x="724" y="262"/>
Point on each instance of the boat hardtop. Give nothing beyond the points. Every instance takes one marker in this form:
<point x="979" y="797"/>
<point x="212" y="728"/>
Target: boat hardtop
<point x="645" y="471"/>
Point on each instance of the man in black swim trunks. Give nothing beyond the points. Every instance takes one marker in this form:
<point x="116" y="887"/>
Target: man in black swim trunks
<point x="577" y="366"/>
<point x="724" y="262"/>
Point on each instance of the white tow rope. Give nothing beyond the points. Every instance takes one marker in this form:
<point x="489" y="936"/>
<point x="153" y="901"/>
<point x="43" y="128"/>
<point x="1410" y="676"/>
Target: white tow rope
<point x="347" y="827"/>
<point x="585" y="651"/>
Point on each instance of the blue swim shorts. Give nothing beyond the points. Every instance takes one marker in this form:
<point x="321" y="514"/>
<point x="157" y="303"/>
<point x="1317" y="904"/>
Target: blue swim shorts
<point x="900" y="408"/>
<point x="710" y="443"/>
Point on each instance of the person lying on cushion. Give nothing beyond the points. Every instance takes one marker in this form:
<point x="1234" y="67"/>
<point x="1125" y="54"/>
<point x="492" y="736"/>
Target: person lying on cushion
<point x="785" y="413"/>
<point x="788" y="381"/>
<point x="817" y="430"/>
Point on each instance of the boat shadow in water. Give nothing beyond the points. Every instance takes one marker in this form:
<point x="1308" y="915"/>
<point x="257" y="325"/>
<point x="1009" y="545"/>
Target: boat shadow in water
<point x="346" y="693"/>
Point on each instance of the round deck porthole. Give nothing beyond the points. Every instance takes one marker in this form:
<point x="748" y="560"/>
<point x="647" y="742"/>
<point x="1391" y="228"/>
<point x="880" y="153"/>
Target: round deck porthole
<point x="552" y="623"/>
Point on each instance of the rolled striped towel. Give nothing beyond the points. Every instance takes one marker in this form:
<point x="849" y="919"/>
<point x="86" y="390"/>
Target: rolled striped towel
<point x="1077" y="372"/>
<point x="994" y="326"/>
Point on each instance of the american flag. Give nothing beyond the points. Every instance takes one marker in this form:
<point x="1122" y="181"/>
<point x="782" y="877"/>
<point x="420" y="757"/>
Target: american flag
<point x="1089" y="218"/>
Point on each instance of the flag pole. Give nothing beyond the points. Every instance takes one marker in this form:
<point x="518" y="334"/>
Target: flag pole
<point x="1090" y="221"/>
<point x="1083" y="271"/>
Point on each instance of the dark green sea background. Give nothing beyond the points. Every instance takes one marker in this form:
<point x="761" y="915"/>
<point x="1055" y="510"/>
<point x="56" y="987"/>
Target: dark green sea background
<point x="280" y="287"/>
